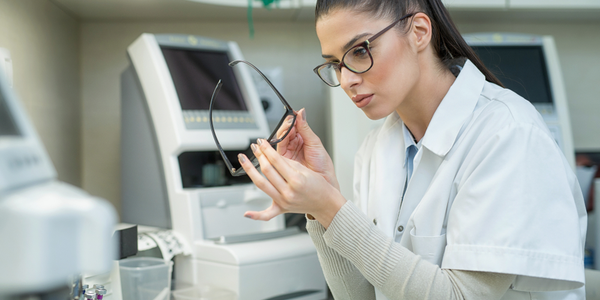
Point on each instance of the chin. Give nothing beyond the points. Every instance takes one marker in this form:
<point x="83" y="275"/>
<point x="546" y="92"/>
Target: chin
<point x="374" y="114"/>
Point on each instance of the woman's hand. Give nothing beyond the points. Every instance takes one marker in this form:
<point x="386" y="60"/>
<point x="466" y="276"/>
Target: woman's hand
<point x="292" y="186"/>
<point x="304" y="146"/>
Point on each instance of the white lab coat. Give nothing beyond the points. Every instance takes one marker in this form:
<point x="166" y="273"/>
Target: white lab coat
<point x="490" y="191"/>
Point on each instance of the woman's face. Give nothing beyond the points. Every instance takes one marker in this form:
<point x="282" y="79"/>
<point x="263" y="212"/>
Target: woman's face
<point x="386" y="86"/>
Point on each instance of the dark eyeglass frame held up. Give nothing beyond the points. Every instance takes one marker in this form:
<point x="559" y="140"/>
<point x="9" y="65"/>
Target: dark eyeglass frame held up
<point x="324" y="71"/>
<point x="273" y="138"/>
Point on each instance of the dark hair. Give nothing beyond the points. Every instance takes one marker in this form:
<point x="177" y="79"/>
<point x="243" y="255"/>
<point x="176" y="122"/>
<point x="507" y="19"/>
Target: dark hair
<point x="449" y="45"/>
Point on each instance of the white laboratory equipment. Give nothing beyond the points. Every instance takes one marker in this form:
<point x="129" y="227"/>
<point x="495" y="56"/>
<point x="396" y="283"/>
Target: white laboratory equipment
<point x="529" y="66"/>
<point x="173" y="176"/>
<point x="51" y="232"/>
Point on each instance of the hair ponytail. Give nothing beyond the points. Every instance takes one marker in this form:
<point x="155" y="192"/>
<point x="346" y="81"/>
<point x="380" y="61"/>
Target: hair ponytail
<point x="447" y="41"/>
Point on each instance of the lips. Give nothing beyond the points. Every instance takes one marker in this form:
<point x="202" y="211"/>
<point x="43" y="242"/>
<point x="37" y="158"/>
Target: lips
<point x="362" y="100"/>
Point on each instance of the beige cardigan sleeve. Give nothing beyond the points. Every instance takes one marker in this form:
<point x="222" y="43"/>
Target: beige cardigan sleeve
<point x="357" y="257"/>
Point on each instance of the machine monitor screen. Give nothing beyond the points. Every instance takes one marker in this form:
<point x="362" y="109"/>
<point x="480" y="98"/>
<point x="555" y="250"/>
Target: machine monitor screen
<point x="195" y="74"/>
<point x="520" y="68"/>
<point x="7" y="123"/>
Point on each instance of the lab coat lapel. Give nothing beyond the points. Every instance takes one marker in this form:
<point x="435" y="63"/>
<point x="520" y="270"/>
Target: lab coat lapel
<point x="388" y="175"/>
<point x="426" y="165"/>
<point x="444" y="129"/>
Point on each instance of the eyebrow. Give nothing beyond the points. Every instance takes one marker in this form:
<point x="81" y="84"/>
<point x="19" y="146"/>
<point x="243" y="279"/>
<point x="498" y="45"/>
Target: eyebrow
<point x="348" y="44"/>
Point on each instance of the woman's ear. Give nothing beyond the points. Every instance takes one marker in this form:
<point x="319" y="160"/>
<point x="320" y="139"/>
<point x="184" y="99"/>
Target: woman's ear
<point x="421" y="31"/>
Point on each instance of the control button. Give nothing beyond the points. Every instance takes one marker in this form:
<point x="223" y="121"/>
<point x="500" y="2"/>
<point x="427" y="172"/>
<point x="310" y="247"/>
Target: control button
<point x="221" y="203"/>
<point x="400" y="228"/>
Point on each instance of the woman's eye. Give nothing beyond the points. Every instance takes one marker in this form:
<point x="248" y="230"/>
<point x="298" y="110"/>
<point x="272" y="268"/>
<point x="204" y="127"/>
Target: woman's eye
<point x="359" y="52"/>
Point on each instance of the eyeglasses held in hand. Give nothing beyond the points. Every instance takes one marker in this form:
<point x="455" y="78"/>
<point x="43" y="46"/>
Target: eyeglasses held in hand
<point x="273" y="139"/>
<point x="357" y="59"/>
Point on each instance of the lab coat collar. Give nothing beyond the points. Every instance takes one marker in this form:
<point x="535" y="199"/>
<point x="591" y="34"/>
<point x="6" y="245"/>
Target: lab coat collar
<point x="454" y="110"/>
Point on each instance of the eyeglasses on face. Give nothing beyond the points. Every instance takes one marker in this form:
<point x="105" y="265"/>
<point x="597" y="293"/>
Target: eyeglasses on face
<point x="278" y="134"/>
<point x="357" y="59"/>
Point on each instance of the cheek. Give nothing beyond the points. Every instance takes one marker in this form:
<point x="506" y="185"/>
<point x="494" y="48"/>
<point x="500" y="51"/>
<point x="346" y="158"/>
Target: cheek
<point x="389" y="75"/>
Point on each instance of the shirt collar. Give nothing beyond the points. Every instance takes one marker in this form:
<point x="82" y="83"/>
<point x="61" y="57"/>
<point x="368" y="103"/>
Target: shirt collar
<point x="453" y="111"/>
<point x="408" y="141"/>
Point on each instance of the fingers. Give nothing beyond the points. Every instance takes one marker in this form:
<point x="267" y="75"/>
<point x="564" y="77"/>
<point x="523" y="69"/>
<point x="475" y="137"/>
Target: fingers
<point x="284" y="127"/>
<point x="282" y="146"/>
<point x="261" y="182"/>
<point x="272" y="164"/>
<point x="304" y="130"/>
<point x="273" y="211"/>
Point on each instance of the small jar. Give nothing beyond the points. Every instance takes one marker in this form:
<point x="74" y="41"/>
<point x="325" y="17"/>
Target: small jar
<point x="100" y="293"/>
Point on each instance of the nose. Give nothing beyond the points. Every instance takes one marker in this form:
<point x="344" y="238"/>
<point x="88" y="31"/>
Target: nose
<point x="349" y="79"/>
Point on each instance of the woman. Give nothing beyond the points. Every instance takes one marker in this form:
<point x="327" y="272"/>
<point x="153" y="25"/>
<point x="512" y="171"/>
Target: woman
<point x="462" y="193"/>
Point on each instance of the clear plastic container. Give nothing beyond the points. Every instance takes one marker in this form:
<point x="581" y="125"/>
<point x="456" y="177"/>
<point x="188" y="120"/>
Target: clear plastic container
<point x="203" y="293"/>
<point x="145" y="278"/>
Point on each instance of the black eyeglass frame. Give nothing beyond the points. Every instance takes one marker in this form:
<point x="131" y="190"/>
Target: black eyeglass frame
<point x="272" y="140"/>
<point x="365" y="45"/>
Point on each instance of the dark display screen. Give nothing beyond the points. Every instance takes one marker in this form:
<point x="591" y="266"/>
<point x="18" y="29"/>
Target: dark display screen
<point x="195" y="74"/>
<point x="521" y="69"/>
<point x="7" y="123"/>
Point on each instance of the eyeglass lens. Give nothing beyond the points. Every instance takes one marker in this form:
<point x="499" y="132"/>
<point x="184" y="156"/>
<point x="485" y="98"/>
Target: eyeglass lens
<point x="358" y="59"/>
<point x="280" y="131"/>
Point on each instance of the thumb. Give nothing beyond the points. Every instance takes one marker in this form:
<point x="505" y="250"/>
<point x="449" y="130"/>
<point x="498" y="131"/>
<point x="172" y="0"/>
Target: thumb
<point x="304" y="130"/>
<point x="265" y="215"/>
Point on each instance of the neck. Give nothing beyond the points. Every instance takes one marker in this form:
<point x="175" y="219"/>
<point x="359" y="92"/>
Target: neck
<point x="418" y="109"/>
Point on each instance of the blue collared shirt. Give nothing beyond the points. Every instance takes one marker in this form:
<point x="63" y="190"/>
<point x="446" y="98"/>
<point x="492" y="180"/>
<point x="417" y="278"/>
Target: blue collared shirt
<point x="411" y="150"/>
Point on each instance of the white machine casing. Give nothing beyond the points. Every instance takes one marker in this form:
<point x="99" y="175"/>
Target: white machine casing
<point x="50" y="231"/>
<point x="258" y="269"/>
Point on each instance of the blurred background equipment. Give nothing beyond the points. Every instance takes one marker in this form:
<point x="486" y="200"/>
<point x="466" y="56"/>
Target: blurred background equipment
<point x="51" y="232"/>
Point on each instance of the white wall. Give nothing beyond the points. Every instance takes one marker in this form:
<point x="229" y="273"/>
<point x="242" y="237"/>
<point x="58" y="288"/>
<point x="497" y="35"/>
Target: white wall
<point x="44" y="45"/>
<point x="293" y="46"/>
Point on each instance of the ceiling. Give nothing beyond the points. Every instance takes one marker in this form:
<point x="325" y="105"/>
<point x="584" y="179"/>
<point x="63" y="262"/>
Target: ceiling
<point x="288" y="10"/>
<point x="184" y="10"/>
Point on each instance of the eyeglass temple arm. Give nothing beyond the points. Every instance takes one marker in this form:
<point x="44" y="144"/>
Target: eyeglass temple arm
<point x="212" y="128"/>
<point x="387" y="28"/>
<point x="287" y="105"/>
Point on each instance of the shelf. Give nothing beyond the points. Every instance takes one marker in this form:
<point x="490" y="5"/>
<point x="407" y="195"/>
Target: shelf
<point x="303" y="10"/>
<point x="554" y="4"/>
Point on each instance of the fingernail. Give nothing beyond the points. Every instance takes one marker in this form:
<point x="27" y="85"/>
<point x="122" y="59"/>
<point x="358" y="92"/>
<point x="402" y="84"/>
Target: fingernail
<point x="242" y="158"/>
<point x="248" y="216"/>
<point x="259" y="141"/>
<point x="289" y="120"/>
<point x="303" y="114"/>
<point x="254" y="147"/>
